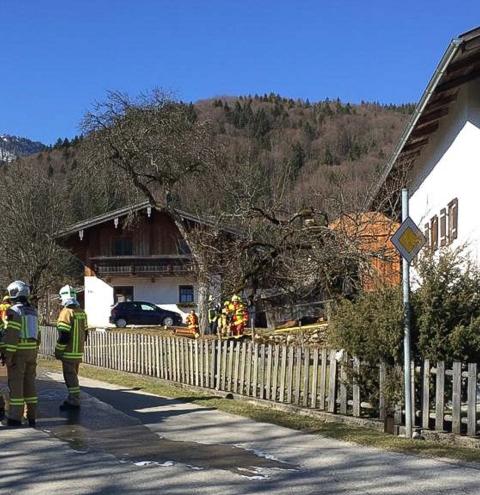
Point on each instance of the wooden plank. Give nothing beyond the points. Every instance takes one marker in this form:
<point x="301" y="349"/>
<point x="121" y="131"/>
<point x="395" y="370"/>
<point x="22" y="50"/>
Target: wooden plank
<point x="456" y="397"/>
<point x="439" y="396"/>
<point x="283" y="374"/>
<point x="255" y="370"/>
<point x="298" y="374"/>
<point x="356" y="388"/>
<point x="332" y="382"/>
<point x="472" y="400"/>
<point x="213" y="349"/>
<point x="291" y="357"/>
<point x="191" y="363"/>
<point x="197" y="364"/>
<point x="306" y="376"/>
<point x="224" y="365"/>
<point x="276" y="360"/>
<point x="412" y="391"/>
<point x="162" y="357"/>
<point x="343" y="386"/>
<point x="268" y="381"/>
<point x="218" y="345"/>
<point x="314" y="389"/>
<point x="323" y="380"/>
<point x="261" y="373"/>
<point x="229" y="366"/>
<point x="426" y="395"/>
<point x="248" y="370"/>
<point x="243" y="357"/>
<point x="201" y="354"/>
<point x="236" y="367"/>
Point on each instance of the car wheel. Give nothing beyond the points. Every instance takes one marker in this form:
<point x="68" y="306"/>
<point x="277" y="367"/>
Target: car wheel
<point x="168" y="321"/>
<point x="121" y="323"/>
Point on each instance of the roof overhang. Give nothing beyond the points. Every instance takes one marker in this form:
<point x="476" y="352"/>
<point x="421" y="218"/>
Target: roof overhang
<point x="131" y="210"/>
<point x="459" y="65"/>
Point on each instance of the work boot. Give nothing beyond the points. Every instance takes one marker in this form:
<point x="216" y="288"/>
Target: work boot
<point x="31" y="423"/>
<point x="67" y="406"/>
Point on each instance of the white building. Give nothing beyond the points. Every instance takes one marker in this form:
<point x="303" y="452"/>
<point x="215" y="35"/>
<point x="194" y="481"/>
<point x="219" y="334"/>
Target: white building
<point x="438" y="155"/>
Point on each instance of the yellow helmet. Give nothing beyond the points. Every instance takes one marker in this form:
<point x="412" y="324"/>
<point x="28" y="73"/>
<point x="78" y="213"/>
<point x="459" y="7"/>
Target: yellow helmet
<point x="235" y="298"/>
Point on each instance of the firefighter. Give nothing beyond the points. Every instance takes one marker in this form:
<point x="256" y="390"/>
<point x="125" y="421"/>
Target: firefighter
<point x="20" y="347"/>
<point x="225" y="319"/>
<point x="192" y="322"/>
<point x="213" y="315"/>
<point x="3" y="318"/>
<point x="72" y="334"/>
<point x="6" y="303"/>
<point x="240" y="317"/>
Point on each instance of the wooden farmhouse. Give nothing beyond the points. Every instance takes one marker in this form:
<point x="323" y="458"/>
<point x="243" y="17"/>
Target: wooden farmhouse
<point x="438" y="154"/>
<point x="135" y="253"/>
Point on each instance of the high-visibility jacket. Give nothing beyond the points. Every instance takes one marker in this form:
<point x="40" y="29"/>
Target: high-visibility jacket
<point x="72" y="333"/>
<point x="192" y="322"/>
<point x="22" y="332"/>
<point x="4" y="307"/>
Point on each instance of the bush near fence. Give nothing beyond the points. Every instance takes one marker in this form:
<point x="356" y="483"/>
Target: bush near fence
<point x="309" y="377"/>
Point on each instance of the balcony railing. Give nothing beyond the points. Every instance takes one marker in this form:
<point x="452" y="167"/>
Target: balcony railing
<point x="143" y="267"/>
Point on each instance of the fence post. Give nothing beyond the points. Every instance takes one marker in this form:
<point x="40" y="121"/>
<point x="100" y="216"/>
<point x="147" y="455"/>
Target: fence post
<point x="472" y="400"/>
<point x="313" y="392"/>
<point x="332" y="382"/>
<point x="323" y="380"/>
<point x="439" y="397"/>
<point x="426" y="395"/>
<point x="306" y="376"/>
<point x="356" y="388"/>
<point x="456" y="397"/>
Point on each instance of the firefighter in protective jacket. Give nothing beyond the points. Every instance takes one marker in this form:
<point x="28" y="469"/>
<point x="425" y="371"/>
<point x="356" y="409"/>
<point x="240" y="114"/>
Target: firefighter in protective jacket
<point x="20" y="347"/>
<point x="72" y="334"/>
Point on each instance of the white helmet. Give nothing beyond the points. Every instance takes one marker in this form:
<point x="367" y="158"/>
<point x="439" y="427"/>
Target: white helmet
<point x="68" y="295"/>
<point x="18" y="289"/>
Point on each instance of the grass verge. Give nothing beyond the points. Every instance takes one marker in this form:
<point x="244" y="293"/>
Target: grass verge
<point x="340" y="431"/>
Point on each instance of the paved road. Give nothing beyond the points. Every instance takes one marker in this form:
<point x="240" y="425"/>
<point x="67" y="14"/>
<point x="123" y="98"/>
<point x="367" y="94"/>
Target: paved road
<point x="127" y="441"/>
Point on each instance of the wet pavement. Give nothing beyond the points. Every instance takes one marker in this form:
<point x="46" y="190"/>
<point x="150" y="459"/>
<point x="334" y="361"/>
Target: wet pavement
<point x="109" y="422"/>
<point x="130" y="442"/>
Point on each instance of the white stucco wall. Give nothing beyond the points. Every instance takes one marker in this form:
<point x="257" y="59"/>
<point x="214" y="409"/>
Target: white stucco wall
<point x="449" y="167"/>
<point x="161" y="291"/>
<point x="98" y="301"/>
<point x="99" y="296"/>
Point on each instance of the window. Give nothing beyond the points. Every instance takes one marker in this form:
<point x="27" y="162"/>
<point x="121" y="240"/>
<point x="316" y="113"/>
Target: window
<point x="434" y="233"/>
<point x="123" y="247"/>
<point x="443" y="227"/>
<point x="147" y="307"/>
<point x="185" y="293"/>
<point x="452" y="220"/>
<point x="122" y="294"/>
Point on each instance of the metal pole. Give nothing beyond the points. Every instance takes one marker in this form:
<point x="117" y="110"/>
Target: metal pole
<point x="406" y="336"/>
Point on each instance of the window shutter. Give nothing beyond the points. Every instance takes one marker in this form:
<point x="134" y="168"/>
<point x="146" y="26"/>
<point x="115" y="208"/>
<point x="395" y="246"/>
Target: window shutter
<point x="434" y="233"/>
<point x="443" y="227"/>
<point x="426" y="233"/>
<point x="452" y="220"/>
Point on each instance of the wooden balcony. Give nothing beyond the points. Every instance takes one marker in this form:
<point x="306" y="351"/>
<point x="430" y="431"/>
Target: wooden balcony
<point x="164" y="266"/>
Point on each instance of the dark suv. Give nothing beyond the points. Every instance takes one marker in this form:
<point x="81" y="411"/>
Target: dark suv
<point x="143" y="313"/>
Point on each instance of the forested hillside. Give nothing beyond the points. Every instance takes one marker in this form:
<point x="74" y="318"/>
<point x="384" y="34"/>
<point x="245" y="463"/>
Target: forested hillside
<point x="324" y="148"/>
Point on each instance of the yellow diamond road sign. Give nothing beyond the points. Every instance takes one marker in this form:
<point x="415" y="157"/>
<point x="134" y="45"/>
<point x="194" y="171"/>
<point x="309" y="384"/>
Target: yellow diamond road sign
<point x="408" y="239"/>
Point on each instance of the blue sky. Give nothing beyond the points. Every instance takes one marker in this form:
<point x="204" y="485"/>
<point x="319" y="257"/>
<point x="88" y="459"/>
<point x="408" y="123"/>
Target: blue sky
<point x="59" y="56"/>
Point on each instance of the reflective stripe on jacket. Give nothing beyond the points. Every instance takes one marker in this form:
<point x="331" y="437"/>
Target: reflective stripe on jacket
<point x="72" y="331"/>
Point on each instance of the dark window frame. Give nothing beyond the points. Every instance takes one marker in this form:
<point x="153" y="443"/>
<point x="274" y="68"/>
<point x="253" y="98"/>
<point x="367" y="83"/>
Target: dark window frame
<point x="452" y="220"/>
<point x="186" y="294"/>
<point x="123" y="246"/>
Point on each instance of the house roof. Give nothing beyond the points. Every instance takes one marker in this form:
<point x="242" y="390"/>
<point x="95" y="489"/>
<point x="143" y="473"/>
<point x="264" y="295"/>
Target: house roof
<point x="128" y="210"/>
<point x="459" y="65"/>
